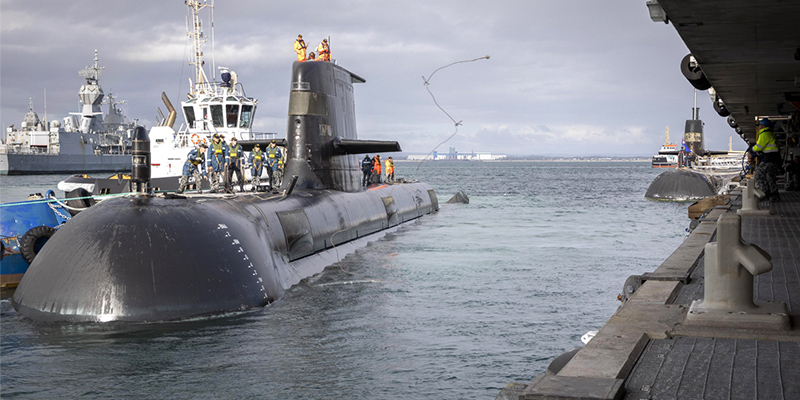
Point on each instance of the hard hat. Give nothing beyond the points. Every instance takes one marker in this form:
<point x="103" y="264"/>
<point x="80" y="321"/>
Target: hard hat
<point x="216" y="136"/>
<point x="233" y="139"/>
<point x="257" y="145"/>
<point x="765" y="121"/>
<point x="273" y="141"/>
<point x="299" y="36"/>
<point x="203" y="144"/>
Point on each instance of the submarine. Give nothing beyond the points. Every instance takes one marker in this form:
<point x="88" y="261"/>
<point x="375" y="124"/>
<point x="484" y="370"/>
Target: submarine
<point x="145" y="257"/>
<point x="683" y="184"/>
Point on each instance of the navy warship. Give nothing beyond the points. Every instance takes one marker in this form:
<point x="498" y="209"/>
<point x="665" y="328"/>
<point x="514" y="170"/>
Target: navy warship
<point x="145" y="257"/>
<point x="83" y="142"/>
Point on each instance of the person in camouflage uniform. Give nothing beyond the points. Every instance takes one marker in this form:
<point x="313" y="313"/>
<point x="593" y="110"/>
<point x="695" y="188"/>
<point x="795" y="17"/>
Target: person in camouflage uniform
<point x="194" y="166"/>
<point x="257" y="162"/>
<point x="217" y="155"/>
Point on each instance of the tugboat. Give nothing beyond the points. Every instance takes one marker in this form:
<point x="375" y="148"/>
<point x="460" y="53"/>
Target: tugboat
<point x="212" y="107"/>
<point x="667" y="157"/>
<point x="86" y="142"/>
<point x="25" y="227"/>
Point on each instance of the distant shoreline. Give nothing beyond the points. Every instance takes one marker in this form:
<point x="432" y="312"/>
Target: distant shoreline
<point x="560" y="159"/>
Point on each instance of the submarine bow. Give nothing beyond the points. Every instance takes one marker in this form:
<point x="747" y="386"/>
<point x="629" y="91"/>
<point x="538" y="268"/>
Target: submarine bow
<point x="154" y="258"/>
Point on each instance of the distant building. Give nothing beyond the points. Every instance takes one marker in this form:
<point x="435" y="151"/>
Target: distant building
<point x="453" y="155"/>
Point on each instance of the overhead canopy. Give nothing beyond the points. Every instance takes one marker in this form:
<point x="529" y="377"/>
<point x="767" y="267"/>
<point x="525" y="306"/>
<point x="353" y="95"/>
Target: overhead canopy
<point x="748" y="50"/>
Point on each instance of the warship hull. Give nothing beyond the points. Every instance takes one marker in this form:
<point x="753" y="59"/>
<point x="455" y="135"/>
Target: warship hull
<point x="30" y="164"/>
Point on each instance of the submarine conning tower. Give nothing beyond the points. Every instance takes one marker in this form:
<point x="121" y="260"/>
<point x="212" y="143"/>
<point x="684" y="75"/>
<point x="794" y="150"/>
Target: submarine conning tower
<point x="693" y="134"/>
<point x="322" y="143"/>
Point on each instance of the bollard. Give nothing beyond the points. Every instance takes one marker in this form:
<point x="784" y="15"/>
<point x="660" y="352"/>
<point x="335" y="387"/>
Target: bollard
<point x="730" y="265"/>
<point x="751" y="198"/>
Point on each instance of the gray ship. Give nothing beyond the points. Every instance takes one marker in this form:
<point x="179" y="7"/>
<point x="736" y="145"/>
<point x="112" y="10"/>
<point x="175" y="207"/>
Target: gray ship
<point x="83" y="142"/>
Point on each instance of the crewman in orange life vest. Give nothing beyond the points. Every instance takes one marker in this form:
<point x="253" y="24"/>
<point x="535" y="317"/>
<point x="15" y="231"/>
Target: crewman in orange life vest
<point x="324" y="51"/>
<point x="376" y="168"/>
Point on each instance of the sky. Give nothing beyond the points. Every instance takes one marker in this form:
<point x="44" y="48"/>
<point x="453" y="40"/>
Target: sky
<point x="564" y="77"/>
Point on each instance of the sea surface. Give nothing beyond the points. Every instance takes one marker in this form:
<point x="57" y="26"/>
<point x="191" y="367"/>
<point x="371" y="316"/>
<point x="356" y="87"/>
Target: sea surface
<point x="455" y="305"/>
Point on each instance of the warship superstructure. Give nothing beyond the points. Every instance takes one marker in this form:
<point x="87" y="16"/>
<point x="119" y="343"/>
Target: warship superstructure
<point x="84" y="142"/>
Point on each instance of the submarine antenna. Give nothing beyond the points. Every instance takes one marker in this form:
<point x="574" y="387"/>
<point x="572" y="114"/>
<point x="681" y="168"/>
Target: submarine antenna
<point x="427" y="83"/>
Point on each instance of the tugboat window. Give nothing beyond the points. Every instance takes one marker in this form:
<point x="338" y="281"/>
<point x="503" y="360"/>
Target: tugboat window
<point x="216" y="116"/>
<point x="188" y="112"/>
<point x="232" y="114"/>
<point x="247" y="116"/>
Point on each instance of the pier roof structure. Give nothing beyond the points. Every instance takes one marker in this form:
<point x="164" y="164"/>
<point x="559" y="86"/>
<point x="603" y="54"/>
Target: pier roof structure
<point x="748" y="50"/>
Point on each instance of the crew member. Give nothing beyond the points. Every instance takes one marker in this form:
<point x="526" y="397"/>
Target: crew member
<point x="376" y="168"/>
<point x="300" y="48"/>
<point x="235" y="165"/>
<point x="366" y="170"/>
<point x="257" y="161"/>
<point x="389" y="170"/>
<point x="194" y="166"/>
<point x="769" y="163"/>
<point x="217" y="155"/>
<point x="312" y="57"/>
<point x="273" y="158"/>
<point x="324" y="51"/>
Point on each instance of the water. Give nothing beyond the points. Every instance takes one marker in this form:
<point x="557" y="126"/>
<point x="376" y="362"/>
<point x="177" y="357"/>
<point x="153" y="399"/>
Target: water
<point x="18" y="187"/>
<point x="456" y="305"/>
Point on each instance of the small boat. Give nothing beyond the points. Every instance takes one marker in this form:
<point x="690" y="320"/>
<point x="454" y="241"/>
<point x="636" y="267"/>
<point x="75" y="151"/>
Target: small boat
<point x="25" y="227"/>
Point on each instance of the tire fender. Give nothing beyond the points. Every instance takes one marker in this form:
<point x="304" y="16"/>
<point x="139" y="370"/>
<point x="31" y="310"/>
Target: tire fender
<point x="84" y="202"/>
<point x="32" y="241"/>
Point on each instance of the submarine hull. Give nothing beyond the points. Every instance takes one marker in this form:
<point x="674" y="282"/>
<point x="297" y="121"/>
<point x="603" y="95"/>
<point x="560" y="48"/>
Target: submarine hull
<point x="680" y="185"/>
<point x="144" y="258"/>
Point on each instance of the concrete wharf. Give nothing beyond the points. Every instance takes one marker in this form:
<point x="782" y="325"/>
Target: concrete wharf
<point x="649" y="349"/>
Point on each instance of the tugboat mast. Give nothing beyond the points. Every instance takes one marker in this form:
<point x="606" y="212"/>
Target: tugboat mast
<point x="198" y="39"/>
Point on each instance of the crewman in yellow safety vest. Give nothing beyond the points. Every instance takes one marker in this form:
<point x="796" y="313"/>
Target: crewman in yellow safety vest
<point x="216" y="161"/>
<point x="389" y="170"/>
<point x="257" y="161"/>
<point x="300" y="48"/>
<point x="273" y="158"/>
<point x="769" y="161"/>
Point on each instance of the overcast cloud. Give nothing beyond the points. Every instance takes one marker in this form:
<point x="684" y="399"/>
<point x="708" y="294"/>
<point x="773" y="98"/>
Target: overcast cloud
<point x="564" y="78"/>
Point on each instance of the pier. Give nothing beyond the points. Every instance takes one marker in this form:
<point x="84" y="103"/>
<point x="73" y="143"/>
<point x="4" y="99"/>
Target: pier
<point x="718" y="319"/>
<point x="654" y="347"/>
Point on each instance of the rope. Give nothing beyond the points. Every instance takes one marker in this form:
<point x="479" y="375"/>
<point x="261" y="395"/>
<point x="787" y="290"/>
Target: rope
<point x="427" y="83"/>
<point x="55" y="200"/>
<point x="57" y="211"/>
